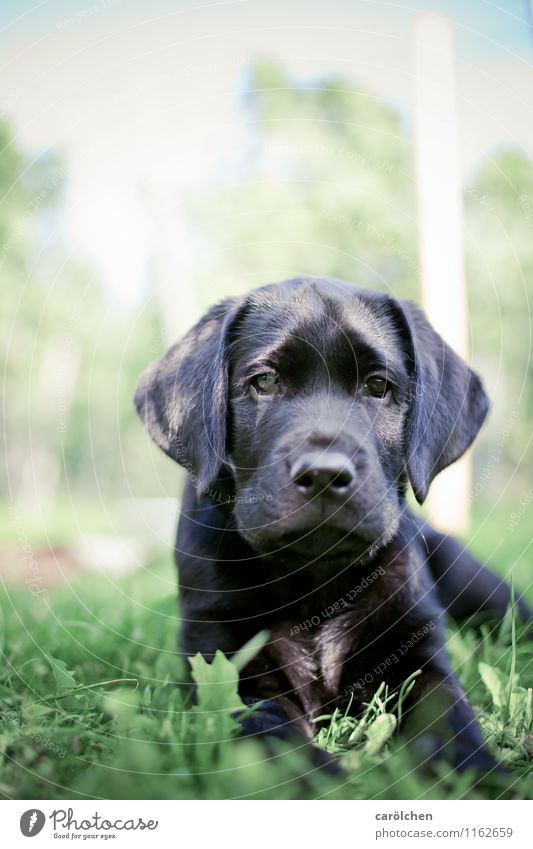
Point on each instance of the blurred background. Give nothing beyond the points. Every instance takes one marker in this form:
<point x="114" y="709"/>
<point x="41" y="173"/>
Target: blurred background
<point x="158" y="156"/>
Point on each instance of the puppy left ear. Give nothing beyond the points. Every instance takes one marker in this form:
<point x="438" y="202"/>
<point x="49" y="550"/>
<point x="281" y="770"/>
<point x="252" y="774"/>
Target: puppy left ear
<point x="182" y="398"/>
<point x="448" y="403"/>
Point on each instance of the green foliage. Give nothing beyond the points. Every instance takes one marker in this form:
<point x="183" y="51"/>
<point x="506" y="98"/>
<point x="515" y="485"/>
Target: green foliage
<point x="95" y="702"/>
<point x="510" y="724"/>
<point x="380" y="719"/>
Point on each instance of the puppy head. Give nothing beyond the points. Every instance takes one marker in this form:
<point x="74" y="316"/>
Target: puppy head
<point x="318" y="401"/>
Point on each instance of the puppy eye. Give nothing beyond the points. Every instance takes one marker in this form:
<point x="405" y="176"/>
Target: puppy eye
<point x="266" y="383"/>
<point x="377" y="387"/>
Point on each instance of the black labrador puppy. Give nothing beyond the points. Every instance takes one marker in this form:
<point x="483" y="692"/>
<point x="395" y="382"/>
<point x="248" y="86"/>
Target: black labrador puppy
<point x="302" y="412"/>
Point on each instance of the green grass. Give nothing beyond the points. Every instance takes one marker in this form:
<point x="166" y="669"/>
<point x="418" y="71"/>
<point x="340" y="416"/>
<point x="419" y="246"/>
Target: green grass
<point x="90" y="706"/>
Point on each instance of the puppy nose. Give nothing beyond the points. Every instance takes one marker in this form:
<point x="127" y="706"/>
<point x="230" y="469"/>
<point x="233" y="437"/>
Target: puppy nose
<point x="323" y="471"/>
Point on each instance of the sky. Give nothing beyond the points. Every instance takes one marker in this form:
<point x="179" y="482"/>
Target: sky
<point x="144" y="99"/>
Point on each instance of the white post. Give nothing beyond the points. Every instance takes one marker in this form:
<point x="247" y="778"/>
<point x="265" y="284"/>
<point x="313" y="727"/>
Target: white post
<point x="440" y="212"/>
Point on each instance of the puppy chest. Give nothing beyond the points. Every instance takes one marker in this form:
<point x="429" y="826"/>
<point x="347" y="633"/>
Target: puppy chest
<point x="312" y="661"/>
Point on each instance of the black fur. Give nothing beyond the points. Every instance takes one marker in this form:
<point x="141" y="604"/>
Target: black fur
<point x="351" y="588"/>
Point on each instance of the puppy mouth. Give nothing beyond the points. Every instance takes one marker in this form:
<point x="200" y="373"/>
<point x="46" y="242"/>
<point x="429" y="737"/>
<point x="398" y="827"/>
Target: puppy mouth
<point x="324" y="543"/>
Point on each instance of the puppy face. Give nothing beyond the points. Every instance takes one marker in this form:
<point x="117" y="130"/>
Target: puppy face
<point x="318" y="389"/>
<point x="310" y="404"/>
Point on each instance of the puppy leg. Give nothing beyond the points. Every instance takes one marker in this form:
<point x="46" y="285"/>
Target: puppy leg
<point x="441" y="725"/>
<point x="270" y="720"/>
<point x="465" y="587"/>
<point x="267" y="718"/>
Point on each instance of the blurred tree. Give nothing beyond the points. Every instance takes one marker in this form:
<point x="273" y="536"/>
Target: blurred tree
<point x="325" y="188"/>
<point x="69" y="357"/>
<point x="499" y="255"/>
<point x="30" y="189"/>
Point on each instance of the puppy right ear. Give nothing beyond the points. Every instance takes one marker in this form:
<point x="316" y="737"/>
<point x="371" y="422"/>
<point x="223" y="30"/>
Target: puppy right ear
<point x="448" y="408"/>
<point x="182" y="398"/>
